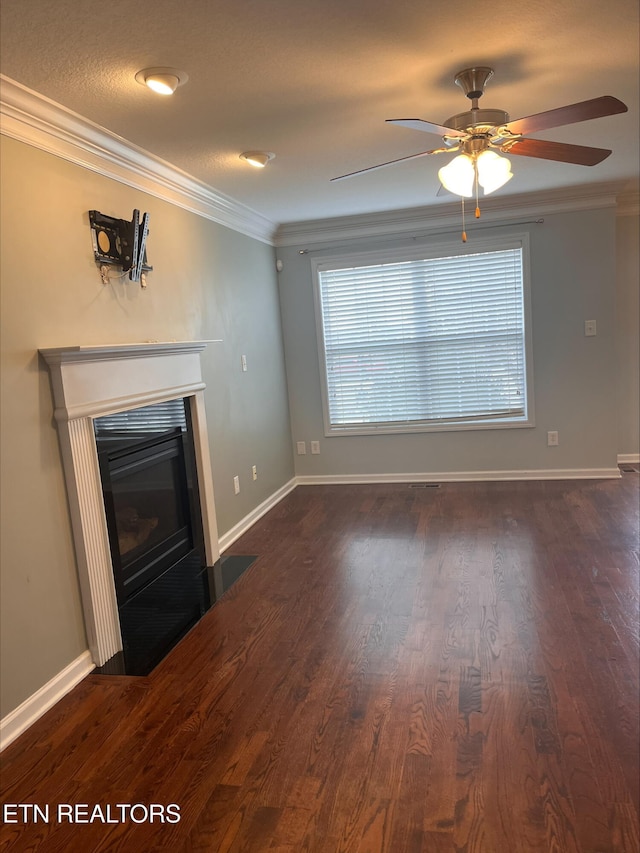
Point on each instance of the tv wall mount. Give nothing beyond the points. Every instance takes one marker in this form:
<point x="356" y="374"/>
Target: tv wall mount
<point x="120" y="242"/>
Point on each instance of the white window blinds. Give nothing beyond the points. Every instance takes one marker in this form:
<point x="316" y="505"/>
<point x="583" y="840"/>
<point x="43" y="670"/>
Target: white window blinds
<point x="158" y="417"/>
<point x="423" y="342"/>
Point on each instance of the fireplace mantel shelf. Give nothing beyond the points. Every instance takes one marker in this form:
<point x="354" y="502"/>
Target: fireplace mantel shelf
<point x="103" y="352"/>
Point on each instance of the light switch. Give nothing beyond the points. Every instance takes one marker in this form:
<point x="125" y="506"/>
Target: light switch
<point x="590" y="328"/>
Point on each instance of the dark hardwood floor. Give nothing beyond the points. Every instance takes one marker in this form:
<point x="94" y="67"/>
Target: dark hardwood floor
<point x="402" y="670"/>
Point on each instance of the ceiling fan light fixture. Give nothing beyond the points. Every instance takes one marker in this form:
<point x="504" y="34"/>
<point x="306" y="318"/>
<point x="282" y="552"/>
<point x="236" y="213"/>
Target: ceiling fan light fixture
<point x="259" y="159"/>
<point x="493" y="171"/>
<point x="458" y="176"/>
<point x="163" y="81"/>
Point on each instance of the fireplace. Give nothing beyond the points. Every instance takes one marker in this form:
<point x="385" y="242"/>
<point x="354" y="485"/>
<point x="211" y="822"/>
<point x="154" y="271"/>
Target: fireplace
<point x="135" y="450"/>
<point x="149" y="487"/>
<point x="148" y="484"/>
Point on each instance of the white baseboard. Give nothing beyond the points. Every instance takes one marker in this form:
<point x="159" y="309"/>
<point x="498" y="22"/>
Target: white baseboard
<point x="437" y="476"/>
<point x="19" y="720"/>
<point x="629" y="458"/>
<point x="462" y="476"/>
<point x="242" y="526"/>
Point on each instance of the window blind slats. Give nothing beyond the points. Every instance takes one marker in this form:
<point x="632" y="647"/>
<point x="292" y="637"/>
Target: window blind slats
<point x="158" y="417"/>
<point x="425" y="341"/>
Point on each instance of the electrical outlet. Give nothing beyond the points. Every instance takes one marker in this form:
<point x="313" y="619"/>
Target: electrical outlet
<point x="236" y="485"/>
<point x="244" y="363"/>
<point x="302" y="448"/>
<point x="315" y="447"/>
<point x="552" y="438"/>
<point x="254" y="472"/>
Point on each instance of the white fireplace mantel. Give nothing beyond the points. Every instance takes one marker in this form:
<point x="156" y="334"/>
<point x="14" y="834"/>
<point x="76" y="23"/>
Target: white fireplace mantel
<point x="92" y="381"/>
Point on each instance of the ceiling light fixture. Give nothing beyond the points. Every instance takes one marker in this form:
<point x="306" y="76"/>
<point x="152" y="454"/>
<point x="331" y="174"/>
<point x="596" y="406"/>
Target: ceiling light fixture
<point x="463" y="174"/>
<point x="259" y="159"/>
<point x="458" y="175"/>
<point x="164" y="81"/>
<point x="487" y="168"/>
<point x="493" y="171"/>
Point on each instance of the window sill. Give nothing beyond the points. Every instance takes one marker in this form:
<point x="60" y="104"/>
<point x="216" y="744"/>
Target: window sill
<point x="523" y="423"/>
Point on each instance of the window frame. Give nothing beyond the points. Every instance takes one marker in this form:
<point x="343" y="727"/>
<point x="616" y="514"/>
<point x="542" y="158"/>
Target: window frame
<point x="443" y="248"/>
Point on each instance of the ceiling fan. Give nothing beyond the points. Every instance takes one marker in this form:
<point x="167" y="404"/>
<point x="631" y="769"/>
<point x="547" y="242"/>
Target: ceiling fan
<point x="480" y="133"/>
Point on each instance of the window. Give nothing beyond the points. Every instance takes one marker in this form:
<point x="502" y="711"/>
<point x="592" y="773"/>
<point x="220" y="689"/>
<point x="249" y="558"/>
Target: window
<point x="425" y="342"/>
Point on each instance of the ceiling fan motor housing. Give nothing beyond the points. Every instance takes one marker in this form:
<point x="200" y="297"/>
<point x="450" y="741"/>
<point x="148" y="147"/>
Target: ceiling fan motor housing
<point x="477" y="121"/>
<point x="472" y="82"/>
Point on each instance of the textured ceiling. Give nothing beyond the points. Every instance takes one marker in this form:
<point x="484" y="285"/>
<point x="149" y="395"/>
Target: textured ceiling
<point x="313" y="82"/>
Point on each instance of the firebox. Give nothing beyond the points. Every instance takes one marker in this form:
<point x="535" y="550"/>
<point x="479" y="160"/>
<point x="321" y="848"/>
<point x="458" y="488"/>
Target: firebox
<point x="149" y="485"/>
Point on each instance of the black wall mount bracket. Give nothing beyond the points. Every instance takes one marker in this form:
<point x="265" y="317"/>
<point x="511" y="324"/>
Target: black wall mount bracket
<point x="121" y="242"/>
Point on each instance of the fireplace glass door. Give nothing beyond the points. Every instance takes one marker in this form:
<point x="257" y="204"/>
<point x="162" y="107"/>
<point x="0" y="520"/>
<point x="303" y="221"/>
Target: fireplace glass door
<point x="154" y="523"/>
<point x="147" y="501"/>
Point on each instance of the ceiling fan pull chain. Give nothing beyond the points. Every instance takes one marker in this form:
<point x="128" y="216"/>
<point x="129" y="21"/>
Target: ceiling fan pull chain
<point x="464" y="233"/>
<point x="475" y="166"/>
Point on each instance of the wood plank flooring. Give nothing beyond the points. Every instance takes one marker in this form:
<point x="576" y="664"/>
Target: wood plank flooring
<point x="450" y="670"/>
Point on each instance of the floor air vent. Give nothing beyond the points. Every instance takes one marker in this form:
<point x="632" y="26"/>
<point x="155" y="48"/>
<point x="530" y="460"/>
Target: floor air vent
<point x="424" y="485"/>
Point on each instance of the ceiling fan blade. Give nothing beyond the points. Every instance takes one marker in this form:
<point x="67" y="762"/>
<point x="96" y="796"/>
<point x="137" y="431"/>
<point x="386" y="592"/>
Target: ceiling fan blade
<point x="427" y="126"/>
<point x="581" y="155"/>
<point x="583" y="111"/>
<point x="393" y="162"/>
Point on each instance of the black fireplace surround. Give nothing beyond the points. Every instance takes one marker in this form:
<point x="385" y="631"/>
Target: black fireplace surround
<point x="154" y="522"/>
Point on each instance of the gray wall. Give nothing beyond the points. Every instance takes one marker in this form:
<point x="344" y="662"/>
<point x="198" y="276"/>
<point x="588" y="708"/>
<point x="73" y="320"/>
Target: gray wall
<point x="208" y="282"/>
<point x="628" y="348"/>
<point x="573" y="259"/>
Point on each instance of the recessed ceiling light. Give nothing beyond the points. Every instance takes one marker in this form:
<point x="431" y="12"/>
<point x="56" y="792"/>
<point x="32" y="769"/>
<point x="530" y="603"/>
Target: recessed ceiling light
<point x="164" y="81"/>
<point x="259" y="159"/>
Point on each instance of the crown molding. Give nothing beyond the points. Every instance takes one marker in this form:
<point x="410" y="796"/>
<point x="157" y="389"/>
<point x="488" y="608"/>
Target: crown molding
<point x="31" y="118"/>
<point x="628" y="203"/>
<point x="444" y="217"/>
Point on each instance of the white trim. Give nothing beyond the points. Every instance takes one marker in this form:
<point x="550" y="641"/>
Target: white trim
<point x="205" y="481"/>
<point x="461" y="476"/>
<point x="630" y="458"/>
<point x="32" y="118"/>
<point x="19" y="720"/>
<point x="249" y="520"/>
<point x="106" y="352"/>
<point x="119" y="404"/>
<point x="227" y="539"/>
<point x="262" y="509"/>
<point x="38" y="121"/>
<point x="628" y="203"/>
